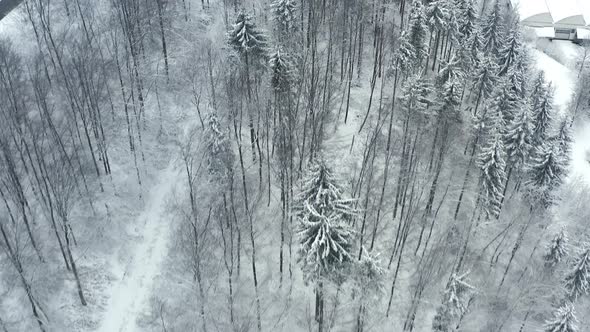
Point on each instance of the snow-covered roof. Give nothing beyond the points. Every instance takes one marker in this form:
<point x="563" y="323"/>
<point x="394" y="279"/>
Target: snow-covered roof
<point x="535" y="13"/>
<point x="566" y="13"/>
<point x="554" y="13"/>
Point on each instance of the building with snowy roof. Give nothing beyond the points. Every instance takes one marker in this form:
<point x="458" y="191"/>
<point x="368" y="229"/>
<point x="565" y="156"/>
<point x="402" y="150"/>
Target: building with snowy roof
<point x="570" y="19"/>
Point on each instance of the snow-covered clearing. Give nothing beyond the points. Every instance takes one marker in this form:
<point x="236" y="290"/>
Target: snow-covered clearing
<point x="130" y="295"/>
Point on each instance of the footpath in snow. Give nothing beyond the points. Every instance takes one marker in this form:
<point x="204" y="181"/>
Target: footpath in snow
<point x="131" y="293"/>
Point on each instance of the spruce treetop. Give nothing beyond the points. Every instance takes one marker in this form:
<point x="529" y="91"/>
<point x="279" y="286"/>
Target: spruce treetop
<point x="564" y="320"/>
<point x="492" y="163"/>
<point x="281" y="71"/>
<point x="417" y="31"/>
<point x="577" y="282"/>
<point x="285" y="14"/>
<point x="220" y="156"/>
<point x="438" y="15"/>
<point x="467" y="18"/>
<point x="492" y="30"/>
<point x="324" y="230"/>
<point x="556" y="249"/>
<point x="511" y="49"/>
<point x="246" y="38"/>
<point x="518" y="137"/>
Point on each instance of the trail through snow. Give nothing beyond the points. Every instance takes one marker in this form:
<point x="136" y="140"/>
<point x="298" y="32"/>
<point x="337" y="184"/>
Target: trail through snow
<point x="130" y="296"/>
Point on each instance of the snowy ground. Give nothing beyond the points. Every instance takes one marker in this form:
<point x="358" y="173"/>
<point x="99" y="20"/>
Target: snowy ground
<point x="559" y="70"/>
<point x="129" y="297"/>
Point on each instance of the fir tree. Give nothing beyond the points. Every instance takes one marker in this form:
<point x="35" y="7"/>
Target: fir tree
<point x="543" y="116"/>
<point x="577" y="281"/>
<point x="517" y="74"/>
<point x="220" y="157"/>
<point x="503" y="101"/>
<point x="281" y="71"/>
<point x="450" y="70"/>
<point x="454" y="303"/>
<point x="511" y="49"/>
<point x="368" y="278"/>
<point x="484" y="79"/>
<point x="545" y="172"/>
<point x="564" y="320"/>
<point x="518" y="138"/>
<point x="473" y="46"/>
<point x="417" y="32"/>
<point x="405" y="55"/>
<point x="556" y="249"/>
<point x="247" y="40"/>
<point x="467" y="18"/>
<point x="538" y="90"/>
<point x="546" y="166"/>
<point x="324" y="229"/>
<point x="437" y="14"/>
<point x="414" y="95"/>
<point x="563" y="139"/>
<point x="491" y="161"/>
<point x="449" y="100"/>
<point x="285" y="15"/>
<point x="492" y="30"/>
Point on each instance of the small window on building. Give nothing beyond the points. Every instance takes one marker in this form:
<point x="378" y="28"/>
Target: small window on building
<point x="564" y="31"/>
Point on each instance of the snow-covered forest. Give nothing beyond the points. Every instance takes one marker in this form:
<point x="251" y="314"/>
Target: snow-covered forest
<point x="291" y="165"/>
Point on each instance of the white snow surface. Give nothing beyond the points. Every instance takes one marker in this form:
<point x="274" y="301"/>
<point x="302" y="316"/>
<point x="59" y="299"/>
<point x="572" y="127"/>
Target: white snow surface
<point x="130" y="296"/>
<point x="563" y="80"/>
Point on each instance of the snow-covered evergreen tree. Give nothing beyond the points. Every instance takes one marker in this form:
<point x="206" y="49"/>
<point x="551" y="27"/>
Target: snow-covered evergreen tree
<point x="454" y="303"/>
<point x="220" y="157"/>
<point x="539" y="89"/>
<point x="437" y="15"/>
<point x="546" y="166"/>
<point x="417" y="32"/>
<point x="405" y="55"/>
<point x="368" y="276"/>
<point x="484" y="78"/>
<point x="556" y="249"/>
<point x="492" y="163"/>
<point x="518" y="137"/>
<point x="545" y="170"/>
<point x="543" y="116"/>
<point x="415" y="95"/>
<point x="511" y="48"/>
<point x="247" y="39"/>
<point x="492" y="30"/>
<point x="467" y="18"/>
<point x="450" y="70"/>
<point x="324" y="230"/>
<point x="577" y="281"/>
<point x="503" y="100"/>
<point x="563" y="139"/>
<point x="449" y="100"/>
<point x="281" y="71"/>
<point x="564" y="320"/>
<point x="518" y="74"/>
<point x="285" y="15"/>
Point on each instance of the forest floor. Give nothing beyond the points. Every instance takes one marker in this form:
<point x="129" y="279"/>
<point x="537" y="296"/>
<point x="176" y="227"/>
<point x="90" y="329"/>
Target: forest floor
<point x="131" y="292"/>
